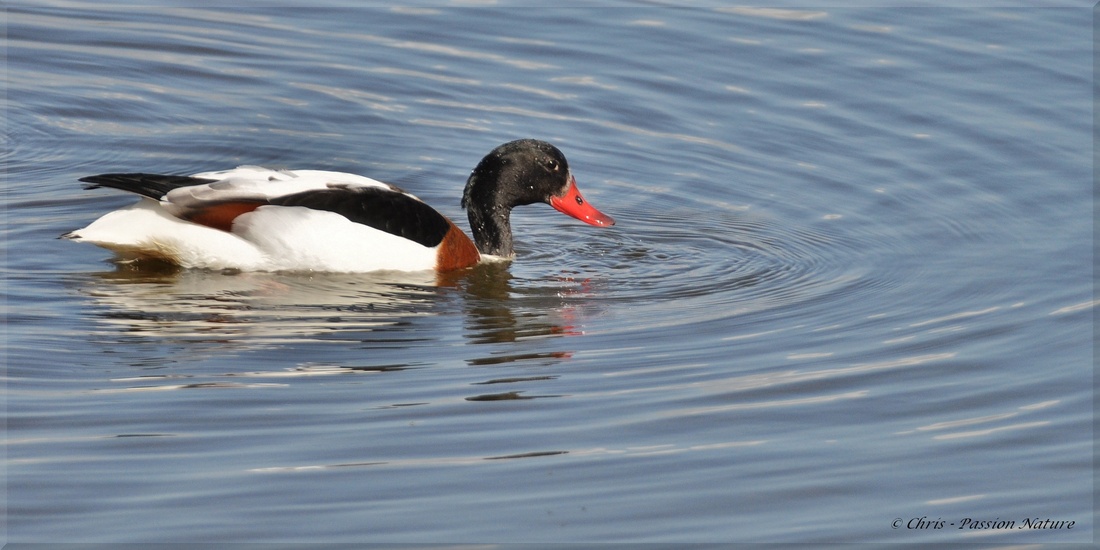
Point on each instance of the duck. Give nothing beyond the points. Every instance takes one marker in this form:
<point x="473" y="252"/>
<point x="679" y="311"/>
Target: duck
<point x="252" y="218"/>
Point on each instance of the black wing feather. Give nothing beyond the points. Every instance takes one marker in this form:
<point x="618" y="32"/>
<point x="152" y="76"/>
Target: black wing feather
<point x="153" y="186"/>
<point x="382" y="209"/>
<point x="390" y="211"/>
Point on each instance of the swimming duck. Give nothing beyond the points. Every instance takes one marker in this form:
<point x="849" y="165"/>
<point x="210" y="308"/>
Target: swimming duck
<point x="259" y="219"/>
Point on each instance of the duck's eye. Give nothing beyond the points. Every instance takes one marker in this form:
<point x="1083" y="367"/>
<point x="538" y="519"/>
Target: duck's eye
<point x="553" y="165"/>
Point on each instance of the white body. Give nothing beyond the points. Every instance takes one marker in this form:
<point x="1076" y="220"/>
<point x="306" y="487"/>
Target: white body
<point x="270" y="238"/>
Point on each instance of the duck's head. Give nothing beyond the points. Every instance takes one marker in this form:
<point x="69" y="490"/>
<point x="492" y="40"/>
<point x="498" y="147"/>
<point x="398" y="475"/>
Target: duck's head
<point x="521" y="172"/>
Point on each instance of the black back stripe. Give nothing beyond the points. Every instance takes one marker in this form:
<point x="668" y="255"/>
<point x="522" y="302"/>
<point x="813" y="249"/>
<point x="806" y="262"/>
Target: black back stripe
<point x="382" y="209"/>
<point x="153" y="186"/>
<point x="395" y="213"/>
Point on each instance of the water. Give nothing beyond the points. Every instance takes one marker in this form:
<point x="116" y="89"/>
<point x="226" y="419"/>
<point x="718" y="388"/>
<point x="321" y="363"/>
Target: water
<point x="850" y="283"/>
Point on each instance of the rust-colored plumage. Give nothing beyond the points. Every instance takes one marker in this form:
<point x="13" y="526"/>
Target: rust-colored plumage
<point x="456" y="251"/>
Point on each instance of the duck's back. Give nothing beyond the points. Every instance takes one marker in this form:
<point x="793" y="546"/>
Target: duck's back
<point x="253" y="218"/>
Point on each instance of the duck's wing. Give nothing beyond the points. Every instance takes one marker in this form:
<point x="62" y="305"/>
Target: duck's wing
<point x="154" y="186"/>
<point x="216" y="199"/>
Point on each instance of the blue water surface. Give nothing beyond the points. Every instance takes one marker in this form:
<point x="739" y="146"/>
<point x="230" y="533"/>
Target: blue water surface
<point x="848" y="298"/>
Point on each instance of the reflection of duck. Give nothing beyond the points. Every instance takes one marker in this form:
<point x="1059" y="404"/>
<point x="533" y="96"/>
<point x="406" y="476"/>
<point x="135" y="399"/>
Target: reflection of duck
<point x="256" y="219"/>
<point x="215" y="312"/>
<point x="256" y="309"/>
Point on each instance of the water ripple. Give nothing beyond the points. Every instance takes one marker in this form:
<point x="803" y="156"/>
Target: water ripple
<point x="707" y="263"/>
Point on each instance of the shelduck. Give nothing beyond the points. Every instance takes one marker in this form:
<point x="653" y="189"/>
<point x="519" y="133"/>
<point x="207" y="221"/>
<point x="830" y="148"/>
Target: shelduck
<point x="258" y="219"/>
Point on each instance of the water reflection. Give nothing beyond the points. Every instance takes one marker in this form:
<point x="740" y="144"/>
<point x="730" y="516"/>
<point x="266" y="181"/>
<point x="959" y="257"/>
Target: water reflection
<point x="181" y="304"/>
<point x="165" y="304"/>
